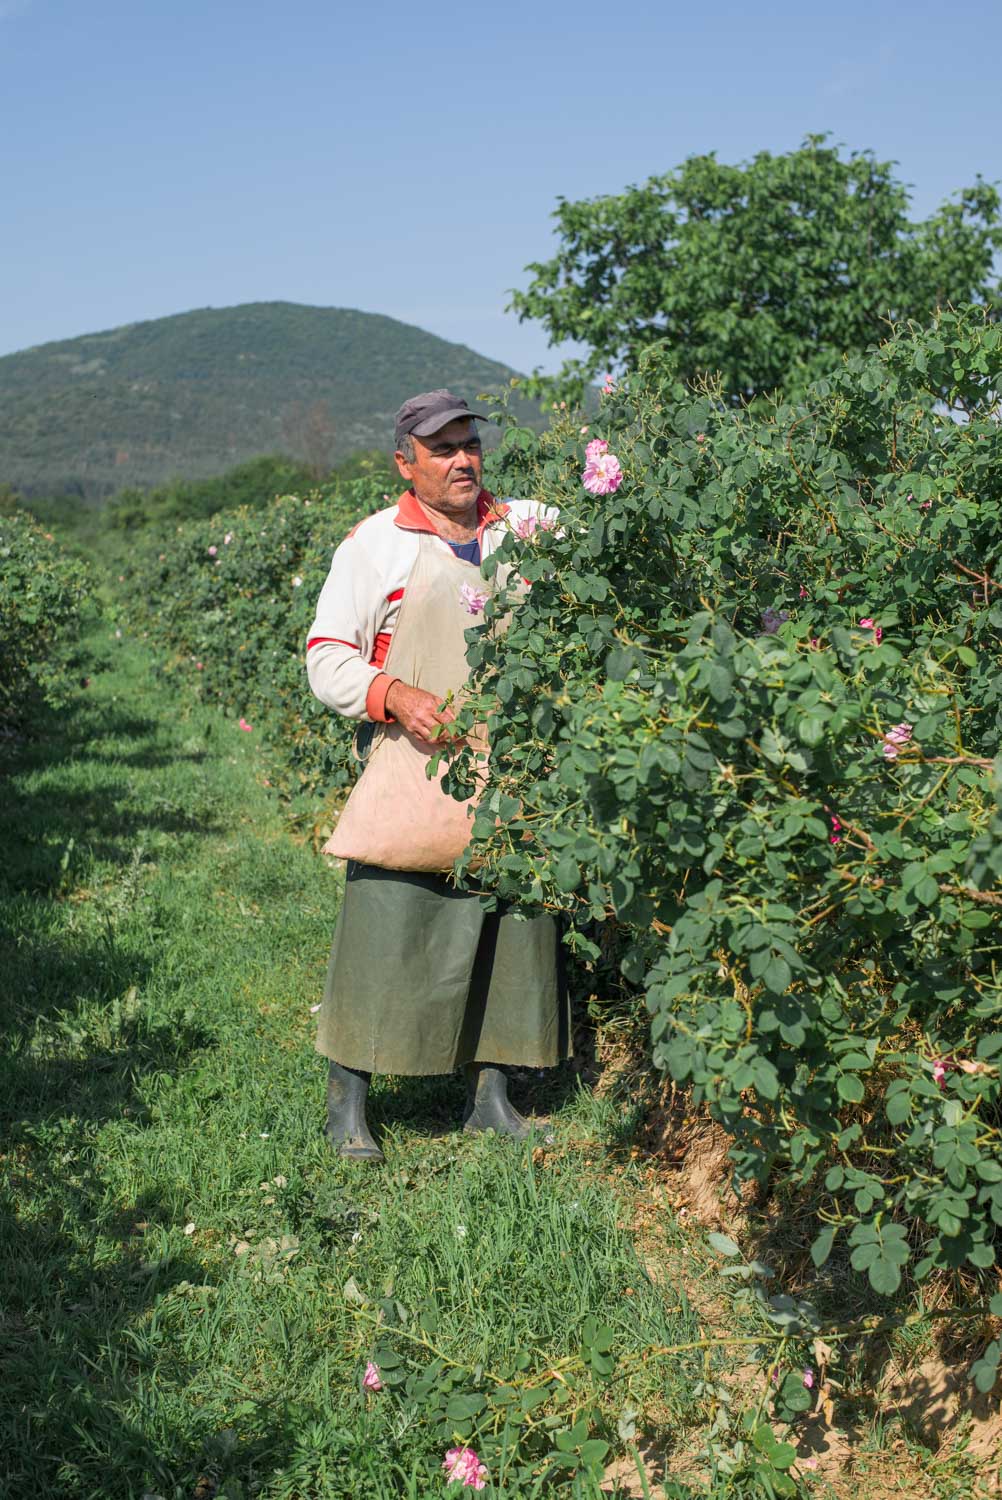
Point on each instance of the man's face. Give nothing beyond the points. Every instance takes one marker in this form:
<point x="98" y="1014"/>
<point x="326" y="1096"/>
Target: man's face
<point x="446" y="468"/>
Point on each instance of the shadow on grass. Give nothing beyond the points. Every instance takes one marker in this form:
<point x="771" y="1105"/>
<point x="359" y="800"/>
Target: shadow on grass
<point x="74" y="1051"/>
<point x="54" y="967"/>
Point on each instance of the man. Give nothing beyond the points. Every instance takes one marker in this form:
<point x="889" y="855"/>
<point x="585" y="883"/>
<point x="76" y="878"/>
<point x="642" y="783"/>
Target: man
<point x="421" y="979"/>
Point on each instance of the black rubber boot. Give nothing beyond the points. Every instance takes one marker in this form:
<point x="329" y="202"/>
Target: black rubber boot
<point x="347" y="1129"/>
<point x="487" y="1103"/>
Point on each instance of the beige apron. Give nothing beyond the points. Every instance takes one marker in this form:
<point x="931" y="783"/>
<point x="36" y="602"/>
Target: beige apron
<point x="397" y="817"/>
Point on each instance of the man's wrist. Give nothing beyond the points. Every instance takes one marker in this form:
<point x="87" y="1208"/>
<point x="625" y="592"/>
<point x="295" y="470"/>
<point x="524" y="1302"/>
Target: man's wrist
<point x="376" y="707"/>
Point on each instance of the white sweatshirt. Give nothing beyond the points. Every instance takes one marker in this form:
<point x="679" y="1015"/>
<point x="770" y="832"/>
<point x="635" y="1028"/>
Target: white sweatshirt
<point x="359" y="603"/>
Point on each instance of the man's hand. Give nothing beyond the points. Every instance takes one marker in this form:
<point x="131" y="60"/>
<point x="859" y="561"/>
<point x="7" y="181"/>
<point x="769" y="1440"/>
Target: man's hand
<point x="417" y="711"/>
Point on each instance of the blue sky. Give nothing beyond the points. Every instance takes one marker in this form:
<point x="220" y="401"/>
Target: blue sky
<point x="405" y="159"/>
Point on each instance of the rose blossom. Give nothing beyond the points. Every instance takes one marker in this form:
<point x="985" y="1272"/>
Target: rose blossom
<point x="896" y="739"/>
<point x="594" y="449"/>
<point x="243" y="724"/>
<point x="473" y="599"/>
<point x="602" y="475"/>
<point x="525" y="527"/>
<point x="213" y="551"/>
<point x="370" y="1380"/>
<point x="868" y="624"/>
<point x="463" y="1466"/>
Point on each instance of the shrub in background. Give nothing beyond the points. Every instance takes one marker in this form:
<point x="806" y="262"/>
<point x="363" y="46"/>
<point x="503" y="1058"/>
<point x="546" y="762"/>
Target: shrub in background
<point x="231" y="598"/>
<point x="43" y="591"/>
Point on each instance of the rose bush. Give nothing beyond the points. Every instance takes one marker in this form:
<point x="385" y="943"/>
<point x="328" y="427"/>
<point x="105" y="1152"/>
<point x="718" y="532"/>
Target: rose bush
<point x="43" y="591"/>
<point x="230" y="600"/>
<point x="748" y="714"/>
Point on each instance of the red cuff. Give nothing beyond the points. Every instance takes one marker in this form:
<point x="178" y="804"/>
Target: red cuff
<point x="375" y="698"/>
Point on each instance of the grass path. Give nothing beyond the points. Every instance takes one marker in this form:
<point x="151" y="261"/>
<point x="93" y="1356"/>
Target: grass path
<point x="187" y="1274"/>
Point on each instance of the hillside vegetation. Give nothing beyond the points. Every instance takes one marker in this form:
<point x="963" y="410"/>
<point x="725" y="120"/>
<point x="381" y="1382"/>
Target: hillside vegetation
<point x="190" y="396"/>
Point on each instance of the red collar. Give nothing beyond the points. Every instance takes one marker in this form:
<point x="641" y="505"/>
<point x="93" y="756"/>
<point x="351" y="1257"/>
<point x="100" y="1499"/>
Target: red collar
<point x="412" y="516"/>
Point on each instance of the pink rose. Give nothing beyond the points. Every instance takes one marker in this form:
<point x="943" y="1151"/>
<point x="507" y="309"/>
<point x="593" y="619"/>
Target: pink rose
<point x="595" y="449"/>
<point x="525" y="527"/>
<point x="243" y="724"/>
<point x="473" y="599"/>
<point x="602" y="475"/>
<point x="213" y="551"/>
<point x="370" y="1380"/>
<point x="463" y="1466"/>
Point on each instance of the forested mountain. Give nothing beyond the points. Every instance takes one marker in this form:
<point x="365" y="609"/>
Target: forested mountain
<point x="194" y="394"/>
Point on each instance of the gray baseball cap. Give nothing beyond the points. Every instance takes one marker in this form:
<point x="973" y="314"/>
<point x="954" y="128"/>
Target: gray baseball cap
<point x="422" y="415"/>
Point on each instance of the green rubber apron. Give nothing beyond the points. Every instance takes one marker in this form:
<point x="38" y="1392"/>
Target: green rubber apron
<point x="421" y="977"/>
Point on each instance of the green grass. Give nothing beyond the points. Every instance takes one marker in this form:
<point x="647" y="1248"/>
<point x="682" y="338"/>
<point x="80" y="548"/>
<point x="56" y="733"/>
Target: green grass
<point x="162" y="942"/>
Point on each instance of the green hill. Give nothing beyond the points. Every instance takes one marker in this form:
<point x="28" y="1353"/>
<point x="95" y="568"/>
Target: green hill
<point x="194" y="394"/>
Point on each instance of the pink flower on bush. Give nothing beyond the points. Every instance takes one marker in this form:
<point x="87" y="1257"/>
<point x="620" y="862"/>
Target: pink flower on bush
<point x="868" y="624"/>
<point x="896" y="739"/>
<point x="243" y="724"/>
<point x="608" y="385"/>
<point x="463" y="1466"/>
<point x="525" y="527"/>
<point x="940" y="1067"/>
<point x="370" y="1380"/>
<point x="213" y="551"/>
<point x="198" y="667"/>
<point x="803" y="592"/>
<point x="815" y="643"/>
<point x="595" y="449"/>
<point x="473" y="599"/>
<point x="602" y="474"/>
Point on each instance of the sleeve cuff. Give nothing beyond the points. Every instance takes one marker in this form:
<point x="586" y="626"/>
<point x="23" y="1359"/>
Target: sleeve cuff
<point x="375" y="698"/>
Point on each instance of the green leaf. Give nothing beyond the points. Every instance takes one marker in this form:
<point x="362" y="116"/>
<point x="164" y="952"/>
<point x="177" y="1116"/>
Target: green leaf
<point x="723" y="1244"/>
<point x="567" y="875"/>
<point x="721" y="683"/>
<point x="850" y="1088"/>
<point x="822" y="1245"/>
